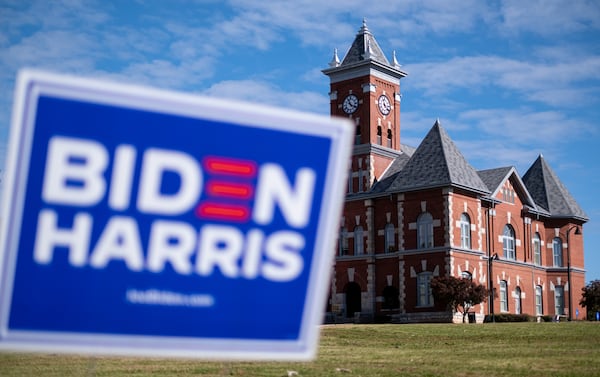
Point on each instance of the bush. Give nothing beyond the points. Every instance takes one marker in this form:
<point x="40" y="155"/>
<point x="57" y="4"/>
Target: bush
<point x="507" y="317"/>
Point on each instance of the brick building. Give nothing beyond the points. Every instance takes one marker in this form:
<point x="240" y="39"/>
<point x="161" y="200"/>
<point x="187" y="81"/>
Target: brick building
<point x="413" y="214"/>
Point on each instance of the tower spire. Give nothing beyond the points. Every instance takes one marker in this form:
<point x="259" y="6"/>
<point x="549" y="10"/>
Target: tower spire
<point x="335" y="61"/>
<point x="394" y="60"/>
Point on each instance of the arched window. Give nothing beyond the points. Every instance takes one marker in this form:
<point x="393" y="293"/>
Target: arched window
<point x="557" y="252"/>
<point x="503" y="296"/>
<point x="358" y="241"/>
<point x="424" y="231"/>
<point x="389" y="235"/>
<point x="424" y="294"/>
<point x="508" y="242"/>
<point x="343" y="242"/>
<point x="518" y="300"/>
<point x="537" y="249"/>
<point x="357" y="137"/>
<point x="466" y="275"/>
<point x="389" y="138"/>
<point x="539" y="308"/>
<point x="465" y="231"/>
<point x="379" y="135"/>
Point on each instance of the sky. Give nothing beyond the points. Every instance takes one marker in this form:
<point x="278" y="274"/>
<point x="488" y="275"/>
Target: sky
<point x="508" y="79"/>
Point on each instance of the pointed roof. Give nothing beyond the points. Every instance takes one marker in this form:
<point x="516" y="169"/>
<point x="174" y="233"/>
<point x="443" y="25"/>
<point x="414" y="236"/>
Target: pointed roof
<point x="495" y="178"/>
<point x="364" y="47"/>
<point x="549" y="192"/>
<point x="364" y="57"/>
<point x="437" y="162"/>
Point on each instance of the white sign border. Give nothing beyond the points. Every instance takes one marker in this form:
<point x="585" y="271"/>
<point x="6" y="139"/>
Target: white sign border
<point x="33" y="83"/>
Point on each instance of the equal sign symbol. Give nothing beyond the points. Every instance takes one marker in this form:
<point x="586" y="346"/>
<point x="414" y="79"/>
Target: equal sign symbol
<point x="229" y="189"/>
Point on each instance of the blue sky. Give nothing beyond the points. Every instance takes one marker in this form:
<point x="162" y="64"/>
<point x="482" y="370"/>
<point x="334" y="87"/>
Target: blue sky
<point x="508" y="79"/>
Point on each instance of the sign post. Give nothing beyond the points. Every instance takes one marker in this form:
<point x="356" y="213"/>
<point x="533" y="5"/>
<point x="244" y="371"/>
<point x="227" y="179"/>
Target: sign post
<point x="151" y="223"/>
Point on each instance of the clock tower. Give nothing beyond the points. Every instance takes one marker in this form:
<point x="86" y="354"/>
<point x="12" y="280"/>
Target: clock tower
<point x="365" y="87"/>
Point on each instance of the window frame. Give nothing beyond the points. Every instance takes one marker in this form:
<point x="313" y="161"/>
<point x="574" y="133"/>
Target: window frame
<point x="539" y="300"/>
<point x="359" y="244"/>
<point x="557" y="252"/>
<point x="424" y="231"/>
<point x="559" y="300"/>
<point x="424" y="292"/>
<point x="508" y="243"/>
<point x="537" y="249"/>
<point x="343" y="242"/>
<point x="518" y="302"/>
<point x="389" y="233"/>
<point x="503" y="296"/>
<point x="465" y="231"/>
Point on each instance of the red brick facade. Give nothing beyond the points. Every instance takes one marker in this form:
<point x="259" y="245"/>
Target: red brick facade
<point x="386" y="255"/>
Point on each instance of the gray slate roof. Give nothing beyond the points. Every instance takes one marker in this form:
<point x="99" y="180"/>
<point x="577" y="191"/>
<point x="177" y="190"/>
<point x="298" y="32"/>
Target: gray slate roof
<point x="363" y="48"/>
<point x="437" y="162"/>
<point x="494" y="178"/>
<point x="549" y="193"/>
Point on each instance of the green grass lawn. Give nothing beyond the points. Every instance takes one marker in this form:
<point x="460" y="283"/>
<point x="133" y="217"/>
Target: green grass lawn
<point x="500" y="349"/>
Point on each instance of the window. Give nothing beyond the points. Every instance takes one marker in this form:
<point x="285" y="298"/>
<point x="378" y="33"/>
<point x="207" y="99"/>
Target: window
<point x="389" y="138"/>
<point x="389" y="237"/>
<point x="343" y="242"/>
<point x="379" y="135"/>
<point x="508" y="195"/>
<point x="508" y="242"/>
<point x="518" y="300"/>
<point x="466" y="275"/>
<point x="357" y="137"/>
<point x="425" y="231"/>
<point x="358" y="241"/>
<point x="360" y="180"/>
<point x="391" y="298"/>
<point x="503" y="297"/>
<point x="559" y="300"/>
<point x="557" y="251"/>
<point x="537" y="249"/>
<point x="465" y="231"/>
<point x="424" y="295"/>
<point x="350" y="178"/>
<point x="539" y="308"/>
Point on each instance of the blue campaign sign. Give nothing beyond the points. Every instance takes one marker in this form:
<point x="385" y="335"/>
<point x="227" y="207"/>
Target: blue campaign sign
<point x="146" y="222"/>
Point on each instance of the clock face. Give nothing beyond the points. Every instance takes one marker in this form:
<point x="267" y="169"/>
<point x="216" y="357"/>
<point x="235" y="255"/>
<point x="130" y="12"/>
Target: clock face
<point x="350" y="104"/>
<point x="384" y="105"/>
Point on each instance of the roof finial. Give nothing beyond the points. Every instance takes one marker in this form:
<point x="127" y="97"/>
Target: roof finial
<point x="364" y="28"/>
<point x="437" y="122"/>
<point x="335" y="61"/>
<point x="395" y="61"/>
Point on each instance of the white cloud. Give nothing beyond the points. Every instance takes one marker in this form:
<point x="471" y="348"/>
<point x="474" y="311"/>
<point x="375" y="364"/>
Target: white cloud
<point x="491" y="138"/>
<point x="266" y="93"/>
<point x="525" y="127"/>
<point x="539" y="81"/>
<point x="164" y="73"/>
<point x="550" y="18"/>
<point x="56" y="49"/>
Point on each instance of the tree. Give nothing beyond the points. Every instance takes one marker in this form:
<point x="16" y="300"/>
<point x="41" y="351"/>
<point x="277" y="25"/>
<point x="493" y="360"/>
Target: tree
<point x="458" y="294"/>
<point x="591" y="298"/>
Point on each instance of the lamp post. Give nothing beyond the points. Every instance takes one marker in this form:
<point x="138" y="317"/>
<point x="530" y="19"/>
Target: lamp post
<point x="491" y="259"/>
<point x="577" y="231"/>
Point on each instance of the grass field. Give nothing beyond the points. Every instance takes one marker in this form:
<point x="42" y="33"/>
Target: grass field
<point x="501" y="349"/>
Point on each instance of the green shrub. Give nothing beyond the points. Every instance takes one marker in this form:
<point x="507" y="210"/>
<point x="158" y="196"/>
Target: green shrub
<point x="507" y="317"/>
